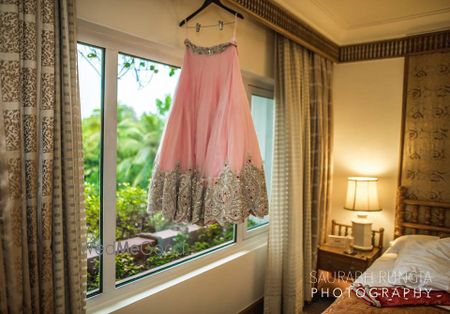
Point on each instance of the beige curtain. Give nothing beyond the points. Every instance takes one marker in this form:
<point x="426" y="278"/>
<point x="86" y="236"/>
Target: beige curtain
<point x="301" y="175"/>
<point x="42" y="228"/>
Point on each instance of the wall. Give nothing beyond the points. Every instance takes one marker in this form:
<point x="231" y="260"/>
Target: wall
<point x="228" y="288"/>
<point x="235" y="284"/>
<point x="367" y="126"/>
<point x="157" y="21"/>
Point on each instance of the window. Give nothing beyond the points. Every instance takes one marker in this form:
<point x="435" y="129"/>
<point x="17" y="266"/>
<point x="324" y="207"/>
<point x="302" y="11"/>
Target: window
<point x="125" y="98"/>
<point x="262" y="110"/>
<point x="143" y="243"/>
<point x="90" y="67"/>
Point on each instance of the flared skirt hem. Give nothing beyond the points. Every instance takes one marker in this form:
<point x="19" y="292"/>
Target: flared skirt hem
<point x="186" y="196"/>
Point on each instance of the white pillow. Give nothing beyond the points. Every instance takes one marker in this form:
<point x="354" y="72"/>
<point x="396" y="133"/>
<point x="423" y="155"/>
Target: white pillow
<point x="398" y="244"/>
<point x="423" y="265"/>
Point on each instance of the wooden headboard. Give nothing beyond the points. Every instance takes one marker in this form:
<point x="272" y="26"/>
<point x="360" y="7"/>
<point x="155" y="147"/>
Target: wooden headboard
<point x="421" y="217"/>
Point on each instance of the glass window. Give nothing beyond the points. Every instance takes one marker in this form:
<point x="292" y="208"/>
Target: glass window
<point x="91" y="71"/>
<point x="262" y="112"/>
<point x="145" y="242"/>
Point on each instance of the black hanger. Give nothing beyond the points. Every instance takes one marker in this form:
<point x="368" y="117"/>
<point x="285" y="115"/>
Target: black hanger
<point x="206" y="4"/>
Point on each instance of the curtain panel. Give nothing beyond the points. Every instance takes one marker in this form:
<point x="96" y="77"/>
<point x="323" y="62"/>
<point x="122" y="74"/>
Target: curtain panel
<point x="301" y="175"/>
<point x="42" y="222"/>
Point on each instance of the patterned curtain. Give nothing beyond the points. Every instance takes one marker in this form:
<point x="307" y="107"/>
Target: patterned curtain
<point x="42" y="223"/>
<point x="301" y="175"/>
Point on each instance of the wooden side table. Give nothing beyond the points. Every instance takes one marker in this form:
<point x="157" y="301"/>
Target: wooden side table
<point x="334" y="260"/>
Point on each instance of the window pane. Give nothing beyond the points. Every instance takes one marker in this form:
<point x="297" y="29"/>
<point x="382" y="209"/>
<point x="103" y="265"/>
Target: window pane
<point x="148" y="242"/>
<point x="90" y="69"/>
<point x="262" y="113"/>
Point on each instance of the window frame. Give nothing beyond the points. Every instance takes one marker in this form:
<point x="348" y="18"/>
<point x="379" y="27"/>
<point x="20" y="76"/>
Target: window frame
<point x="114" y="42"/>
<point x="256" y="86"/>
<point x="101" y="177"/>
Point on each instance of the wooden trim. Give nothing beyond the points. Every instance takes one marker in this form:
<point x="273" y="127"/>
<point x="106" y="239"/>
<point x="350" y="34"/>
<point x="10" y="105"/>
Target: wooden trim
<point x="285" y="23"/>
<point x="427" y="203"/>
<point x="399" y="211"/>
<point x="403" y="122"/>
<point x="255" y="308"/>
<point x="290" y="26"/>
<point x="425" y="227"/>
<point x="398" y="47"/>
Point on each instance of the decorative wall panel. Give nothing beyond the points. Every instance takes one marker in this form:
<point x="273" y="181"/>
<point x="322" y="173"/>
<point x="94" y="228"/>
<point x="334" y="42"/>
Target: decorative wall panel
<point x="426" y="135"/>
<point x="285" y="23"/>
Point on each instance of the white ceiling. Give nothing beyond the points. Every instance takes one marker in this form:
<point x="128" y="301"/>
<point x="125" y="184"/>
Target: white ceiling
<point x="352" y="21"/>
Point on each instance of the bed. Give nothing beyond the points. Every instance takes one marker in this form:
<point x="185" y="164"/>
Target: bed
<point x="414" y="220"/>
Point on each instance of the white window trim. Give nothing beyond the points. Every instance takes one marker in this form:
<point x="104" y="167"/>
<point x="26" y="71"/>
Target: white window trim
<point x="112" y="297"/>
<point x="259" y="87"/>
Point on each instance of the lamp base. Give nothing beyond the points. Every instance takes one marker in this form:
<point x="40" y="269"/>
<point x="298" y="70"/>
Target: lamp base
<point x="362" y="232"/>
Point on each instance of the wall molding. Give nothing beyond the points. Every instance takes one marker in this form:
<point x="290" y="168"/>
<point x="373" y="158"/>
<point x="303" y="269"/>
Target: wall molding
<point x="398" y="47"/>
<point x="285" y="23"/>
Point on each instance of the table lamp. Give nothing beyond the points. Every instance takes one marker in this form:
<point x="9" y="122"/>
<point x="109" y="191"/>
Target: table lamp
<point x="362" y="196"/>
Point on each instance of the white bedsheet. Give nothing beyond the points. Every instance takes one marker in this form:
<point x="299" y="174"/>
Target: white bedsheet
<point x="426" y="255"/>
<point x="377" y="274"/>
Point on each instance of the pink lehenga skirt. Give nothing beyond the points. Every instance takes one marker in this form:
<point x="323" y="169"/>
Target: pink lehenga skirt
<point x="209" y="168"/>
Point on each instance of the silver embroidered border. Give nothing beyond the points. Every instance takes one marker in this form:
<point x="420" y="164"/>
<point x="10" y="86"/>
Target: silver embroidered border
<point x="186" y="196"/>
<point x="207" y="50"/>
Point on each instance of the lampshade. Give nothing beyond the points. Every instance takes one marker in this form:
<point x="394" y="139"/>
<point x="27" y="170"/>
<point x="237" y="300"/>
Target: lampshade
<point x="362" y="194"/>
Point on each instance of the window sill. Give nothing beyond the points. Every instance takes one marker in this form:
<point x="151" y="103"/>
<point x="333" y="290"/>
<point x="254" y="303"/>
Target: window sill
<point x="262" y="229"/>
<point x="120" y="297"/>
